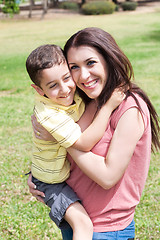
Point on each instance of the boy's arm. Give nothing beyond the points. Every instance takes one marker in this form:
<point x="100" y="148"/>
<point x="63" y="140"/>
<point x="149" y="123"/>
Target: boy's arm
<point x="97" y="128"/>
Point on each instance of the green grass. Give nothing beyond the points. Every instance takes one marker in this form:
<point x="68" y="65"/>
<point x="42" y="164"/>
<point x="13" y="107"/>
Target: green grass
<point x="138" y="35"/>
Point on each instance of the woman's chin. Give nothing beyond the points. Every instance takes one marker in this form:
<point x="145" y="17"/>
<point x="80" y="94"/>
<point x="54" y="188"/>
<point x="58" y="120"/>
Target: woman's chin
<point x="93" y="94"/>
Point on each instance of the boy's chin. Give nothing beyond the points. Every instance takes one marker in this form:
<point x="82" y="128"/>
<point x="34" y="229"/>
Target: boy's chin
<point x="67" y="103"/>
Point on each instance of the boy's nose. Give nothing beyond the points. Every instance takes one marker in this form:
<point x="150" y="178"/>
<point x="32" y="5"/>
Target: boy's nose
<point x="64" y="88"/>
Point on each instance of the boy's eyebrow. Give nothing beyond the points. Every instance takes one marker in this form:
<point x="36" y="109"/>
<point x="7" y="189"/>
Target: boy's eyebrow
<point x="66" y="74"/>
<point x="49" y="82"/>
<point x="55" y="80"/>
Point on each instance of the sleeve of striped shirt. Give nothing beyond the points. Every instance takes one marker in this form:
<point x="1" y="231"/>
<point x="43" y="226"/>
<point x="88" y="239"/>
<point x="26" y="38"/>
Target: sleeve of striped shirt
<point x="61" y="126"/>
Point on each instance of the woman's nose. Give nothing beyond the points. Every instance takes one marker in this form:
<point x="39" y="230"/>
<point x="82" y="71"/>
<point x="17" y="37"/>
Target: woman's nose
<point x="84" y="73"/>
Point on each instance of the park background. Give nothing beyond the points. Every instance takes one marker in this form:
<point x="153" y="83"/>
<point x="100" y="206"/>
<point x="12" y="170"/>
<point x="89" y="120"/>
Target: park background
<point x="138" y="34"/>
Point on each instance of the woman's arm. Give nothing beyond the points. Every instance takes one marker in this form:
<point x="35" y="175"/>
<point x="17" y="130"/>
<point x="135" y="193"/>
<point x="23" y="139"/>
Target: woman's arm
<point x="32" y="188"/>
<point x="107" y="171"/>
<point x="39" y="131"/>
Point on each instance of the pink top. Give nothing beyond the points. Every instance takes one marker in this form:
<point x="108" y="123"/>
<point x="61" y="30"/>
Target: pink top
<point x="113" y="209"/>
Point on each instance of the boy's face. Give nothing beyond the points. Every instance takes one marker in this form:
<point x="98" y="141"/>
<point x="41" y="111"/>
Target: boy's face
<point x="57" y="84"/>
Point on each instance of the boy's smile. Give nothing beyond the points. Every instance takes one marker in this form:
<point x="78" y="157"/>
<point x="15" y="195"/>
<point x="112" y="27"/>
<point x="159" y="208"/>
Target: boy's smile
<point x="57" y="84"/>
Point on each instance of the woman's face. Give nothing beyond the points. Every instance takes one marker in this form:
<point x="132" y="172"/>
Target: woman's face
<point x="89" y="69"/>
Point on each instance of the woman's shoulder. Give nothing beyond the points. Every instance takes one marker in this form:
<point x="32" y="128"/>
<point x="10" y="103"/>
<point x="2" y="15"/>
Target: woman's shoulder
<point x="131" y="102"/>
<point x="134" y="100"/>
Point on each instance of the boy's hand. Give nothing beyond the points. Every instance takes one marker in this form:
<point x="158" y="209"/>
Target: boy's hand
<point x="116" y="98"/>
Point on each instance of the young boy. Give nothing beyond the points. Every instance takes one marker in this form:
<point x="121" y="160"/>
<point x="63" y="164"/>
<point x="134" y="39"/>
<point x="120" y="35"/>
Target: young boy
<point x="57" y="108"/>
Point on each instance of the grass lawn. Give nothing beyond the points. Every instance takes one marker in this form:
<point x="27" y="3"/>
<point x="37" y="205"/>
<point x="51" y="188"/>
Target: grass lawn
<point x="139" y="36"/>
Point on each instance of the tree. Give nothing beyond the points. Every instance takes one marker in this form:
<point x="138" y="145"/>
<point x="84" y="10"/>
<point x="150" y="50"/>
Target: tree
<point x="44" y="4"/>
<point x="83" y="2"/>
<point x="10" y="7"/>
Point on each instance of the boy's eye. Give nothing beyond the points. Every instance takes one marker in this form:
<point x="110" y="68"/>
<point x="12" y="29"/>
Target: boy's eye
<point x="91" y="62"/>
<point x="67" y="77"/>
<point x="53" y="85"/>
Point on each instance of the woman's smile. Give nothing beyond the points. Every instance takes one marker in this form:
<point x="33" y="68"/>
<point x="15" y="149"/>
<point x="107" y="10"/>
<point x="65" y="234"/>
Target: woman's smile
<point x="89" y="69"/>
<point x="90" y="84"/>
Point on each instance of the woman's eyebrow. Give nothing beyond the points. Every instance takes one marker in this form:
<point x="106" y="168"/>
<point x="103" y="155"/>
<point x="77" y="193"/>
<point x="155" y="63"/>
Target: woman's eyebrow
<point x="84" y="60"/>
<point x="88" y="59"/>
<point x="71" y="63"/>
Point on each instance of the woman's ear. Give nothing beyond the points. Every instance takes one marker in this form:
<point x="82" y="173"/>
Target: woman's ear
<point x="38" y="89"/>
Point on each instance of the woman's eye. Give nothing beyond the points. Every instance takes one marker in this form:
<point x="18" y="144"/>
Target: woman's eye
<point x="91" y="63"/>
<point x="73" y="67"/>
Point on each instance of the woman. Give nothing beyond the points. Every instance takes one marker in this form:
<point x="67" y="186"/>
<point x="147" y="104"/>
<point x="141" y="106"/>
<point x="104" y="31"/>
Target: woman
<point x="110" y="179"/>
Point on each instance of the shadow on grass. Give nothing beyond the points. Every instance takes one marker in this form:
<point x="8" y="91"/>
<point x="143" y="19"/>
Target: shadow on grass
<point x="154" y="35"/>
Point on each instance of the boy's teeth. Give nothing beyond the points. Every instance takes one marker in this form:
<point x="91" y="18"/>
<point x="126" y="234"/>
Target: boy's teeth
<point x="66" y="95"/>
<point x="89" y="84"/>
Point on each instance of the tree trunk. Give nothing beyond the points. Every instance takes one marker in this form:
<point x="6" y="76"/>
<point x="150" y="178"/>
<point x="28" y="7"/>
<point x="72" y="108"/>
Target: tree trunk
<point x="30" y="8"/>
<point x="32" y="2"/>
<point x="83" y="1"/>
<point x="55" y="3"/>
<point x="45" y="7"/>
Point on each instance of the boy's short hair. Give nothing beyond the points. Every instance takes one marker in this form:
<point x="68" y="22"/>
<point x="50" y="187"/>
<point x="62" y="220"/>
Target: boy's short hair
<point x="45" y="56"/>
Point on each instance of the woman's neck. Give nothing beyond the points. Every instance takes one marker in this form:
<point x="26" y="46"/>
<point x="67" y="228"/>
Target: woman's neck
<point x="88" y="115"/>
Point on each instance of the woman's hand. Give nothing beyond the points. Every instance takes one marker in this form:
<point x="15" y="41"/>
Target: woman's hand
<point x="32" y="188"/>
<point x="39" y="131"/>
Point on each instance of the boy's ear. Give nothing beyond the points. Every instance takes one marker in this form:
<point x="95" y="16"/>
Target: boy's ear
<point x="38" y="89"/>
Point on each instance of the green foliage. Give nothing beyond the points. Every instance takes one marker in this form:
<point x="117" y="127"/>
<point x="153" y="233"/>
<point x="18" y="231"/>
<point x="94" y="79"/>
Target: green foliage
<point x="98" y="8"/>
<point x="129" y="6"/>
<point x="11" y="7"/>
<point x="69" y="5"/>
<point x="117" y="8"/>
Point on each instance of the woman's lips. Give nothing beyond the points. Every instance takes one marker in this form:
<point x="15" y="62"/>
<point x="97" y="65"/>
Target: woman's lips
<point x="90" y="84"/>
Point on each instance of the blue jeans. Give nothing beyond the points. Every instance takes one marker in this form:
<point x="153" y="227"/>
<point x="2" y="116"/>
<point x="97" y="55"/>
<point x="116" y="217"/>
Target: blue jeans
<point x="127" y="234"/>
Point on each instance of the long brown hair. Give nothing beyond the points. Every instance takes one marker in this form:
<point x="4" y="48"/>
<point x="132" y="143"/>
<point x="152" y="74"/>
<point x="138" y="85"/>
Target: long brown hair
<point x="120" y="72"/>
